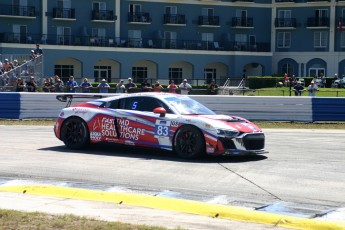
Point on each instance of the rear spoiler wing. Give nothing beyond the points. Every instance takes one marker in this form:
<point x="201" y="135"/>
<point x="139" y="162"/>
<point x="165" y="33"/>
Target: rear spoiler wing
<point x="69" y="97"/>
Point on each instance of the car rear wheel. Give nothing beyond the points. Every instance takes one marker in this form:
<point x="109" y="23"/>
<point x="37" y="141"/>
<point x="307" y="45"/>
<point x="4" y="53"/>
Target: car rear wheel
<point x="75" y="133"/>
<point x="189" y="142"/>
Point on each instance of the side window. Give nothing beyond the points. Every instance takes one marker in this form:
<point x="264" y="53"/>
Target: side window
<point x="112" y="104"/>
<point x="147" y="104"/>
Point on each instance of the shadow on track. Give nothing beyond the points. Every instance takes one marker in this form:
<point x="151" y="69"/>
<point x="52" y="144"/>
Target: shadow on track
<point x="107" y="149"/>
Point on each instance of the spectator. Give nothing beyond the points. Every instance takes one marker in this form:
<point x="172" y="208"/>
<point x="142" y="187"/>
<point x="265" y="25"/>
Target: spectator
<point x="120" y="87"/>
<point x="286" y="80"/>
<point x="172" y="87"/>
<point x="185" y="87"/>
<point x="86" y="86"/>
<point x="58" y="85"/>
<point x="31" y="85"/>
<point x="312" y="88"/>
<point x="130" y="86"/>
<point x="212" y="88"/>
<point x="71" y="85"/>
<point x="146" y="86"/>
<point x="20" y="85"/>
<point x="157" y="87"/>
<point x="38" y="51"/>
<point x="46" y="85"/>
<point x="103" y="86"/>
<point x="6" y="66"/>
<point x="298" y="89"/>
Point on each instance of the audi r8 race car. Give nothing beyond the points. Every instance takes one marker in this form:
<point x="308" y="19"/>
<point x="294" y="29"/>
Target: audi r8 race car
<point x="157" y="120"/>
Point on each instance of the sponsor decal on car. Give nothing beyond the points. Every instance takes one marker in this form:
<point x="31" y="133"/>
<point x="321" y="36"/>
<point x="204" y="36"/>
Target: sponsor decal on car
<point x="174" y="123"/>
<point x="95" y="136"/>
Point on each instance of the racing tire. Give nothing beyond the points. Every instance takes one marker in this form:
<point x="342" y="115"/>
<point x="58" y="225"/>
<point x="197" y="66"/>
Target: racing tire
<point x="189" y="142"/>
<point x="75" y="133"/>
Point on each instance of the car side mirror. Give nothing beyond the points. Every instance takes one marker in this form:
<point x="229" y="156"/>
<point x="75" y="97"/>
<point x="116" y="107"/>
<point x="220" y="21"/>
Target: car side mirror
<point x="161" y="111"/>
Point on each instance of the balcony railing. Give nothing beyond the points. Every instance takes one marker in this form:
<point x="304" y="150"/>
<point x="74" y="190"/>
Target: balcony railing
<point x="139" y="17"/>
<point x="178" y="19"/>
<point x="103" y="15"/>
<point x="242" y="22"/>
<point x="285" y="22"/>
<point x="17" y="10"/>
<point x="125" y="42"/>
<point x="285" y="0"/>
<point x="318" y="22"/>
<point x="208" y="20"/>
<point x="63" y="13"/>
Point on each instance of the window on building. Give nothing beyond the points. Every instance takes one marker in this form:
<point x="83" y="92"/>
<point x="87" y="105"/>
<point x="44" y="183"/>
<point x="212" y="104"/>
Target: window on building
<point x="283" y="39"/>
<point x="287" y="68"/>
<point x="139" y="74"/>
<point x="65" y="4"/>
<point x="63" y="35"/>
<point x="210" y="74"/>
<point x="99" y="32"/>
<point x="134" y="37"/>
<point x="134" y="8"/>
<point x="320" y="39"/>
<point x="64" y="71"/>
<point x="209" y="12"/>
<point x="284" y="18"/>
<point x="342" y="40"/>
<point x="99" y="6"/>
<point x="19" y="33"/>
<point x="170" y="39"/>
<point x="102" y="72"/>
<point x="172" y="10"/>
<point x="207" y="40"/>
<point x="176" y="75"/>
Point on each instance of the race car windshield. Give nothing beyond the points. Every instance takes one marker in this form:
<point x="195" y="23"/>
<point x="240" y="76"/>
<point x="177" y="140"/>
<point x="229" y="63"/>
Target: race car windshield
<point x="188" y="106"/>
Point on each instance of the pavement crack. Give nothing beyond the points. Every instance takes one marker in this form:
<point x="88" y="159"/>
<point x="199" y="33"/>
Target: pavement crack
<point x="256" y="185"/>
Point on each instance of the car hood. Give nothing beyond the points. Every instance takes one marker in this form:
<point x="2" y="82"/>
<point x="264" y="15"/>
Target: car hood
<point x="230" y="122"/>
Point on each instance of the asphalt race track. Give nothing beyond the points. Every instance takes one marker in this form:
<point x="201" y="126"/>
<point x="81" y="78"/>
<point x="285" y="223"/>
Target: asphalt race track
<point x="301" y="176"/>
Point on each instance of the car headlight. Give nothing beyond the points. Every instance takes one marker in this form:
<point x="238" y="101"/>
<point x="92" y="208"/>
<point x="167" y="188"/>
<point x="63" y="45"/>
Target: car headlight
<point x="227" y="133"/>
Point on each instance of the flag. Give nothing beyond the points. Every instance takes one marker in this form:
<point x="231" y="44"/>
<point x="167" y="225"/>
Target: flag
<point x="340" y="24"/>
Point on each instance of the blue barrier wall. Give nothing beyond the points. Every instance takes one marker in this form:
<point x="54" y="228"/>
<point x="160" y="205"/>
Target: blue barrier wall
<point x="306" y="109"/>
<point x="328" y="109"/>
<point x="9" y="105"/>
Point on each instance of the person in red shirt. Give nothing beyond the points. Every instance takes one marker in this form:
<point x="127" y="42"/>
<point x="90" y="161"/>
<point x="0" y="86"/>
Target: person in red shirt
<point x="172" y="87"/>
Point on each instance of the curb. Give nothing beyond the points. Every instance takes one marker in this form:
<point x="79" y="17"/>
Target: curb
<point x="179" y="205"/>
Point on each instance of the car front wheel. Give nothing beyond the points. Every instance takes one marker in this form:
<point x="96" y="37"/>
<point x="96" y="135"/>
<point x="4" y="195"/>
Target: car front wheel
<point x="189" y="142"/>
<point x="75" y="133"/>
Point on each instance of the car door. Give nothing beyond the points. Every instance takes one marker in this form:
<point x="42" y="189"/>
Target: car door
<point x="140" y="126"/>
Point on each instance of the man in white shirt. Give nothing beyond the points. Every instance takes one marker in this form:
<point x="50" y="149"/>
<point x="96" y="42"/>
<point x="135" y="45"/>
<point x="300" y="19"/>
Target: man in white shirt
<point x="312" y="88"/>
<point x="185" y="87"/>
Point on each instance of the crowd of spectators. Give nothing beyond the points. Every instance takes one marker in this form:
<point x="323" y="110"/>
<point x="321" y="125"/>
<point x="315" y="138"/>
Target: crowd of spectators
<point x="18" y="75"/>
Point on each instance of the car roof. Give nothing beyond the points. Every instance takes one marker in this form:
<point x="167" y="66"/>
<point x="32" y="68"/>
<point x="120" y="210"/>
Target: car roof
<point x="146" y="94"/>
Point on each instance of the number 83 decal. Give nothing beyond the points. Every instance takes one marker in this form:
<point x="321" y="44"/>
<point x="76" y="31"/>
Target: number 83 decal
<point x="162" y="130"/>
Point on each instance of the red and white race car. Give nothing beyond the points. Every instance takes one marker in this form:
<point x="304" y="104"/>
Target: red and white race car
<point x="157" y="120"/>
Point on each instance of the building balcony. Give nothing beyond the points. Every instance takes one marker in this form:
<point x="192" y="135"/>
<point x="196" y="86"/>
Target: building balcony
<point x="175" y="19"/>
<point x="125" y="42"/>
<point x="209" y="21"/>
<point x="285" y="23"/>
<point x="64" y="14"/>
<point x="139" y="18"/>
<point x="318" y="23"/>
<point x="249" y="1"/>
<point x="17" y="11"/>
<point x="103" y="15"/>
<point x="311" y="1"/>
<point x="242" y="22"/>
<point x="278" y="1"/>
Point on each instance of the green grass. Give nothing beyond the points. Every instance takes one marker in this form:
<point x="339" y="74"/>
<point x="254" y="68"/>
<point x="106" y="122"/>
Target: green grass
<point x="285" y="91"/>
<point x="10" y="219"/>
